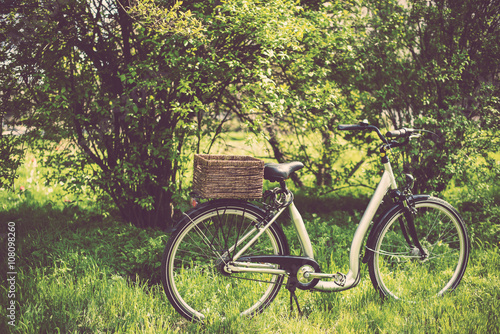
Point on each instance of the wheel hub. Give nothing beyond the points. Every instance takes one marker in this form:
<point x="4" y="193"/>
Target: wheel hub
<point x="221" y="266"/>
<point x="422" y="257"/>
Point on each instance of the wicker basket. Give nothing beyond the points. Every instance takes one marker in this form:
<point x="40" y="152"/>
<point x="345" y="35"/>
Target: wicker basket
<point x="228" y="176"/>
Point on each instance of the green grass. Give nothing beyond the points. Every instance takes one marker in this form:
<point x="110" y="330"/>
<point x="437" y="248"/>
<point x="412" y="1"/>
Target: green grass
<point x="83" y="272"/>
<point x="80" y="270"/>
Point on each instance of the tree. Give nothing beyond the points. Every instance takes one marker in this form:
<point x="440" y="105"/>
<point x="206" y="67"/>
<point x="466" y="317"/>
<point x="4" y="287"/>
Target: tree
<point x="305" y="91"/>
<point x="134" y="91"/>
<point x="132" y="88"/>
<point x="435" y="65"/>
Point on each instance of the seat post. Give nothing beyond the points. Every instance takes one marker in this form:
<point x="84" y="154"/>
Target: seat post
<point x="283" y="186"/>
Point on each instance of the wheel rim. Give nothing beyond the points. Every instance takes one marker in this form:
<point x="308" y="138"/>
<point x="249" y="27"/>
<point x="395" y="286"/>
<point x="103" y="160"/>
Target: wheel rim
<point x="195" y="279"/>
<point x="400" y="270"/>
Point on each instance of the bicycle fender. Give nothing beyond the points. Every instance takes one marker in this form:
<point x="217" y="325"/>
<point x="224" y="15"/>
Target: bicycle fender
<point x="370" y="243"/>
<point x="185" y="215"/>
<point x="193" y="212"/>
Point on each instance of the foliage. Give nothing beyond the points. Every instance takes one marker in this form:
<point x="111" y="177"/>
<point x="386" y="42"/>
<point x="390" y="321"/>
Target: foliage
<point x="170" y="19"/>
<point x="11" y="154"/>
<point x="302" y="94"/>
<point x="11" y="145"/>
<point x="135" y="99"/>
<point x="477" y="196"/>
<point x="435" y="65"/>
<point x="119" y="94"/>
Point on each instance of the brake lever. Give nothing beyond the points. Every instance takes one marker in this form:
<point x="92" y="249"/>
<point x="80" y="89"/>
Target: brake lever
<point x="393" y="143"/>
<point x="414" y="135"/>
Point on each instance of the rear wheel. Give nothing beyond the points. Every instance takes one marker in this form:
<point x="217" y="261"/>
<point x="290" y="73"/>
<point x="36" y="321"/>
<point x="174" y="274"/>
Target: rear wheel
<point x="193" y="274"/>
<point x="399" y="270"/>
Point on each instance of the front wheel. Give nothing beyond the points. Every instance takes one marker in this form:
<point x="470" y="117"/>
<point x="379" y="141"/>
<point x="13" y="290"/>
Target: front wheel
<point x="400" y="270"/>
<point x="193" y="274"/>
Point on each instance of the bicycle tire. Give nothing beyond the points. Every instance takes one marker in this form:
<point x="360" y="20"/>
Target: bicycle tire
<point x="396" y="267"/>
<point x="191" y="271"/>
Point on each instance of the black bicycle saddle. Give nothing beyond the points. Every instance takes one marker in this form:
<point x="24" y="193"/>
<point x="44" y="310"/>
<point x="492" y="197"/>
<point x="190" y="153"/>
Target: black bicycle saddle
<point x="280" y="172"/>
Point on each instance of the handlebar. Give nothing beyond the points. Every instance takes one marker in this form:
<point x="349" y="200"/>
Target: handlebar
<point x="363" y="126"/>
<point x="400" y="133"/>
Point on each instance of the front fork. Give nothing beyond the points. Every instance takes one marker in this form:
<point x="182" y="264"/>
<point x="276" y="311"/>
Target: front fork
<point x="409" y="214"/>
<point x="409" y="231"/>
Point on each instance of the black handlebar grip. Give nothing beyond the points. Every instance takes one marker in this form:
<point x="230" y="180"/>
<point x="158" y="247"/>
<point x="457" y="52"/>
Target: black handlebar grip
<point x="352" y="127"/>
<point x="399" y="133"/>
<point x="396" y="133"/>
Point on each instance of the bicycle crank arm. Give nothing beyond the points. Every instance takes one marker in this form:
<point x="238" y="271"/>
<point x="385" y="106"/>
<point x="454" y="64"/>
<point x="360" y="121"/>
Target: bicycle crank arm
<point x="319" y="275"/>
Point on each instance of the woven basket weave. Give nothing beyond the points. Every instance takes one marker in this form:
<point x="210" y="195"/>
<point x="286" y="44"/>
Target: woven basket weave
<point x="228" y="176"/>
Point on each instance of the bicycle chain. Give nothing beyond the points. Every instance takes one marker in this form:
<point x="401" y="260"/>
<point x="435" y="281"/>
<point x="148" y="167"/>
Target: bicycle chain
<point x="256" y="280"/>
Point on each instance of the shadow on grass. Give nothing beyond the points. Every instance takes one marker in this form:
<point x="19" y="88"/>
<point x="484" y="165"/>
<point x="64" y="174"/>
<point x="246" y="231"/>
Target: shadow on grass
<point x="50" y="236"/>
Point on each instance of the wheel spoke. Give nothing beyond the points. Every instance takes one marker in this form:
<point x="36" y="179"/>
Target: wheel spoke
<point x="195" y="280"/>
<point x="401" y="272"/>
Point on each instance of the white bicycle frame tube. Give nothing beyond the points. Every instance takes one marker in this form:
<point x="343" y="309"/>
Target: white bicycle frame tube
<point x="262" y="230"/>
<point x="352" y="277"/>
<point x="342" y="282"/>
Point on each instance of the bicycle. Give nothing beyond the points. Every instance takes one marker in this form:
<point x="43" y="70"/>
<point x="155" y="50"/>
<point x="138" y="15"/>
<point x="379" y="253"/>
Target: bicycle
<point x="231" y="257"/>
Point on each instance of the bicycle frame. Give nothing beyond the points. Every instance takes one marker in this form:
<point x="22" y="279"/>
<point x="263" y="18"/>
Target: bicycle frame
<point x="352" y="278"/>
<point x="341" y="282"/>
<point x="228" y="248"/>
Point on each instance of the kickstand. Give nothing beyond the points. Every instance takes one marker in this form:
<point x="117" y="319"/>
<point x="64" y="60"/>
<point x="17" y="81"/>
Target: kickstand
<point x="292" y="287"/>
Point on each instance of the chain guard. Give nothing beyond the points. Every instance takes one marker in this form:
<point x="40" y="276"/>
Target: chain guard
<point x="292" y="264"/>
